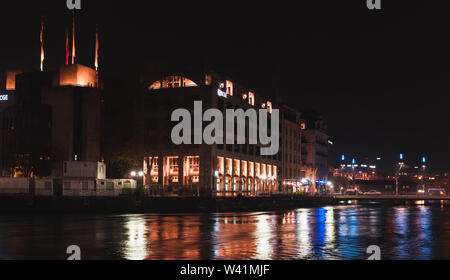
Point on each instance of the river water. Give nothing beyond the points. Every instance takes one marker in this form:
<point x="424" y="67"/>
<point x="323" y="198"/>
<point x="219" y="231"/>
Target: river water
<point x="328" y="233"/>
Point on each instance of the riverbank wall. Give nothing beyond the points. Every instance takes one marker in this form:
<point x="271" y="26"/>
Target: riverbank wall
<point x="131" y="204"/>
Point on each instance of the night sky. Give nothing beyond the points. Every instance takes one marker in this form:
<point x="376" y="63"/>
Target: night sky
<point x="381" y="79"/>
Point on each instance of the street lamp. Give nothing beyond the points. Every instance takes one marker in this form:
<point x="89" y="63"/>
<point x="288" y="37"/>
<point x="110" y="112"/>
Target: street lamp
<point x="139" y="177"/>
<point x="424" y="161"/>
<point x="400" y="164"/>
<point x="353" y="173"/>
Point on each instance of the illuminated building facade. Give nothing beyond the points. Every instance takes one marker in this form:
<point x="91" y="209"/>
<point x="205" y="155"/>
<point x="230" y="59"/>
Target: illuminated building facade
<point x="292" y="172"/>
<point x="357" y="172"/>
<point x="315" y="151"/>
<point x="52" y="116"/>
<point x="201" y="169"/>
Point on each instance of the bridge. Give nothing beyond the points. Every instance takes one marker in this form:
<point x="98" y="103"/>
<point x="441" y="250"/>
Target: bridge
<point x="391" y="197"/>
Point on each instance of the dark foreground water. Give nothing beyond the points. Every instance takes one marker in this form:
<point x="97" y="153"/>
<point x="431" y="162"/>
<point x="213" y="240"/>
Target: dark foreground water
<point x="338" y="232"/>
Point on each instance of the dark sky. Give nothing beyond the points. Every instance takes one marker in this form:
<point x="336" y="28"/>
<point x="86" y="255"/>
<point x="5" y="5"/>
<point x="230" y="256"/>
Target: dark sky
<point x="380" y="78"/>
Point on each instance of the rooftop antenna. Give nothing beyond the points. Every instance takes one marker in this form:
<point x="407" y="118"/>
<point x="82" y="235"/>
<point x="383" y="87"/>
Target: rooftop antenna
<point x="42" y="43"/>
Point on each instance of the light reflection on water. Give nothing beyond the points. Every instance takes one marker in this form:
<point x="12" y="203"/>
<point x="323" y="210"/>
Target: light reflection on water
<point x="337" y="232"/>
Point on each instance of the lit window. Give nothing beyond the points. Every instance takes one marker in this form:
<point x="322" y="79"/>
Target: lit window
<point x="251" y="98"/>
<point x="228" y="167"/>
<point x="220" y="165"/>
<point x="172" y="82"/>
<point x="251" y="169"/>
<point x="208" y="80"/>
<point x="237" y="168"/>
<point x="269" y="107"/>
<point x="244" y="168"/>
<point x="229" y="88"/>
<point x="303" y="126"/>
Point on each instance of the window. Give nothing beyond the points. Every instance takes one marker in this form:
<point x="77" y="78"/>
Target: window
<point x="269" y="107"/>
<point x="251" y="98"/>
<point x="303" y="126"/>
<point x="67" y="186"/>
<point x="85" y="186"/>
<point x="229" y="86"/>
<point x="172" y="82"/>
<point x="220" y="165"/>
<point x="208" y="80"/>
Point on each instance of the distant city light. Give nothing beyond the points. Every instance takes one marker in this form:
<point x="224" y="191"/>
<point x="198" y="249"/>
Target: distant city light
<point x="221" y="93"/>
<point x="424" y="159"/>
<point x="373" y="167"/>
<point x="353" y="161"/>
<point x="133" y="173"/>
<point x="141" y="174"/>
<point x="343" y="158"/>
<point x="305" y="181"/>
<point x="378" y="158"/>
<point x="330" y="142"/>
<point x="402" y="156"/>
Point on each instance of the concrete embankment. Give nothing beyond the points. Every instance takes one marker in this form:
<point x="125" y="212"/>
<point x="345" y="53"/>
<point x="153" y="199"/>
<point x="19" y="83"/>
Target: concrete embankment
<point x="129" y="204"/>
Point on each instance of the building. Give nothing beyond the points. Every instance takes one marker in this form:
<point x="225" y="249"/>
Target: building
<point x="357" y="172"/>
<point x="49" y="117"/>
<point x="291" y="151"/>
<point x="202" y="169"/>
<point x="315" y="151"/>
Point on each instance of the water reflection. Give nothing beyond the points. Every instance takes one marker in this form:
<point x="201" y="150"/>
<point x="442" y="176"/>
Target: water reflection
<point x="341" y="232"/>
<point x="135" y="244"/>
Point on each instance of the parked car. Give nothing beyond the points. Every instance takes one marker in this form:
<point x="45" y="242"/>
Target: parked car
<point x="353" y="192"/>
<point x="372" y="192"/>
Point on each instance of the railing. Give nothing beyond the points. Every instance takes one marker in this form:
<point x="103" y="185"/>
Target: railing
<point x="392" y="197"/>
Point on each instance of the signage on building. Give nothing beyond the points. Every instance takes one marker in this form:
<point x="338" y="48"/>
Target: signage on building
<point x="3" y="97"/>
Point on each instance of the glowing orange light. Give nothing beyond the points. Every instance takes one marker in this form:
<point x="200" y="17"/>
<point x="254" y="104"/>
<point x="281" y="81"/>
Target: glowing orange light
<point x="96" y="48"/>
<point x="73" y="39"/>
<point x="42" y="44"/>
